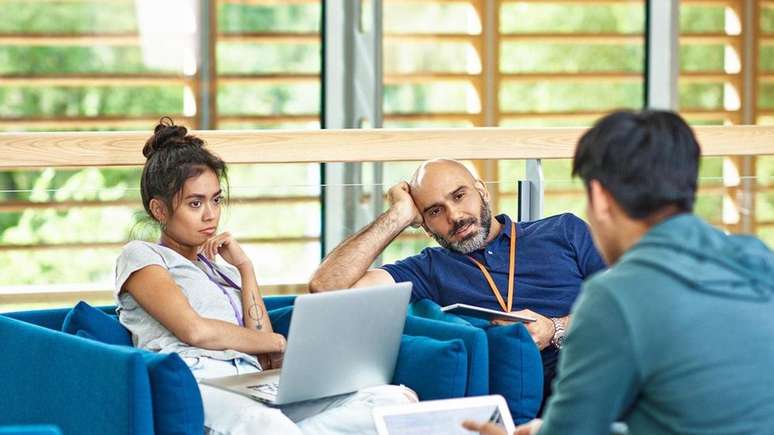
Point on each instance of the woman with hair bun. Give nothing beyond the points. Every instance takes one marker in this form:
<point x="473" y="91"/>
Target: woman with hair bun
<point x="175" y="297"/>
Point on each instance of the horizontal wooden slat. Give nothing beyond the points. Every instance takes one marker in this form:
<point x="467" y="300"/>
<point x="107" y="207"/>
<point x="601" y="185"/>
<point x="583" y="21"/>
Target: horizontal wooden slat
<point x="574" y="38"/>
<point x="581" y="38"/>
<point x="629" y="77"/>
<point x="114" y="122"/>
<point x="82" y="80"/>
<point x="620" y="2"/>
<point x="690" y="114"/>
<point x="268" y="119"/>
<point x="456" y="38"/>
<point x="115" y="245"/>
<point x="123" y="148"/>
<point x="711" y="189"/>
<point x="390" y="79"/>
<point x="578" y="77"/>
<point x="437" y="116"/>
<point x="15" y="206"/>
<point x="134" y="39"/>
<point x="89" y="80"/>
<point x="270" y="38"/>
<point x="709" y="38"/>
<point x="429" y="77"/>
<point x="69" y="39"/>
<point x="273" y="79"/>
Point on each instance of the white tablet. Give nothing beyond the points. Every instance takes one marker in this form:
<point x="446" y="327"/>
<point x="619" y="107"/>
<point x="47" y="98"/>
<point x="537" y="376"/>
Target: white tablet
<point x="442" y="417"/>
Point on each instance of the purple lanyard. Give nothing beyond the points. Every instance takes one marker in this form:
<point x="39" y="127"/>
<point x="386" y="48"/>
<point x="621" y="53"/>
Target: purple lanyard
<point x="228" y="281"/>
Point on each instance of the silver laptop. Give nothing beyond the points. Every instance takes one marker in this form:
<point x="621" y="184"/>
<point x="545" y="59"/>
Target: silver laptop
<point x="338" y="342"/>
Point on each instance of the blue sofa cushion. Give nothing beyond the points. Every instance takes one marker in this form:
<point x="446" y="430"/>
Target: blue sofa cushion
<point x="280" y="319"/>
<point x="515" y="366"/>
<point x="177" y="403"/>
<point x="475" y="343"/>
<point x="103" y="327"/>
<point x="516" y="370"/>
<point x="444" y="362"/>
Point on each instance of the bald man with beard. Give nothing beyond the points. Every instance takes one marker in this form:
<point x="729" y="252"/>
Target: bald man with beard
<point x="552" y="256"/>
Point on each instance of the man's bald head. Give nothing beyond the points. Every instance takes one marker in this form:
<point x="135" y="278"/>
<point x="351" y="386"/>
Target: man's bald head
<point x="454" y="204"/>
<point x="430" y="170"/>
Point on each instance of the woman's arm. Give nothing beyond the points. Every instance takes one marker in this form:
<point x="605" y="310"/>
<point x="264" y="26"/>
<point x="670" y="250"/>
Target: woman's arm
<point x="255" y="314"/>
<point x="158" y="294"/>
<point x="256" y="317"/>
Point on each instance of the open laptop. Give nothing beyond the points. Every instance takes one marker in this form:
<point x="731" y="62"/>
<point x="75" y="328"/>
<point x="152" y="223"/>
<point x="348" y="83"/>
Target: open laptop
<point x="338" y="342"/>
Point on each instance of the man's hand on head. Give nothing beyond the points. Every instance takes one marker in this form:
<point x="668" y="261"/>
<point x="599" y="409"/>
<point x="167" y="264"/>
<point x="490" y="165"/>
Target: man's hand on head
<point x="399" y="197"/>
<point x="542" y="330"/>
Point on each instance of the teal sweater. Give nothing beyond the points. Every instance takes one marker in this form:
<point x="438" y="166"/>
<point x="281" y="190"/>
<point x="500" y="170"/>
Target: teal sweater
<point x="676" y="338"/>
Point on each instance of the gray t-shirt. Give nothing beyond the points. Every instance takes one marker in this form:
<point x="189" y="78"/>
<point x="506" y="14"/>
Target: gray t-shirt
<point x="205" y="297"/>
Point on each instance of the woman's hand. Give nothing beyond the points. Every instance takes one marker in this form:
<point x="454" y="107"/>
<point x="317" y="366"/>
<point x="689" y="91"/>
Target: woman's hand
<point x="273" y="360"/>
<point x="227" y="247"/>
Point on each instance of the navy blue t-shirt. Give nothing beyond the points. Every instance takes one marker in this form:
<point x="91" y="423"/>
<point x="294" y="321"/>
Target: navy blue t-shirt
<point x="553" y="257"/>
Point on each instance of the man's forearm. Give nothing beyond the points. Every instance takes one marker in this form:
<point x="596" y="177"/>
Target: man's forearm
<point x="343" y="267"/>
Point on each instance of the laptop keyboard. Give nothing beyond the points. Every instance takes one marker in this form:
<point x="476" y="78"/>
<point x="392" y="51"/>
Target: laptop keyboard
<point x="270" y="389"/>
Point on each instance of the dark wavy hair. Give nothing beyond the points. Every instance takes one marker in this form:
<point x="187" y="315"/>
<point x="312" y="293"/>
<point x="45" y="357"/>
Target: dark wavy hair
<point x="647" y="160"/>
<point x="172" y="157"/>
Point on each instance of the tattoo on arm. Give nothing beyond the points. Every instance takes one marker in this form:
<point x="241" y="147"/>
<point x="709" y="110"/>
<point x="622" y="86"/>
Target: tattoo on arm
<point x="255" y="312"/>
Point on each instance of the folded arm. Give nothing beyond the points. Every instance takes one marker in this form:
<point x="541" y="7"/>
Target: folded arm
<point x="157" y="293"/>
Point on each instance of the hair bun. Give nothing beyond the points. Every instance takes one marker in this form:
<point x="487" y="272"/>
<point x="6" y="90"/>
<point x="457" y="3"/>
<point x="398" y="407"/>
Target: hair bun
<point x="166" y="135"/>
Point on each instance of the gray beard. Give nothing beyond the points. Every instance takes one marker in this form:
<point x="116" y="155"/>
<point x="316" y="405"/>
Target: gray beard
<point x="473" y="242"/>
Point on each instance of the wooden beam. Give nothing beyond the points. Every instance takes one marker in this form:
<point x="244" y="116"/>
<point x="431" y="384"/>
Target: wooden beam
<point x="115" y="245"/>
<point x="620" y="2"/>
<point x="91" y="80"/>
<point x="18" y="206"/>
<point x="578" y="38"/>
<point x="430" y="77"/>
<point x="436" y="116"/>
<point x="266" y="119"/>
<point x="270" y="37"/>
<point x="709" y="38"/>
<point x="103" y="149"/>
<point x="581" y="38"/>
<point x="578" y="77"/>
<point x="272" y="79"/>
<point x="618" y="76"/>
<point x="766" y="77"/>
<point x="69" y="39"/>
<point x="87" y="122"/>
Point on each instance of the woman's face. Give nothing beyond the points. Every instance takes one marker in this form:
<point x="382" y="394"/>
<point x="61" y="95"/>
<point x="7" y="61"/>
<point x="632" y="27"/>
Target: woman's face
<point x="197" y="210"/>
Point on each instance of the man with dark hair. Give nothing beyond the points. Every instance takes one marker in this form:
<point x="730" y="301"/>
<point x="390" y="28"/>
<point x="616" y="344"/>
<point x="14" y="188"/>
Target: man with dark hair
<point x="678" y="335"/>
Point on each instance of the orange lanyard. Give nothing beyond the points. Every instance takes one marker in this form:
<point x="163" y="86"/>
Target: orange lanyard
<point x="511" y="271"/>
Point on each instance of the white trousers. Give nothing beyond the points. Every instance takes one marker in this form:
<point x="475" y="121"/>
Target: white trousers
<point x="233" y="414"/>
